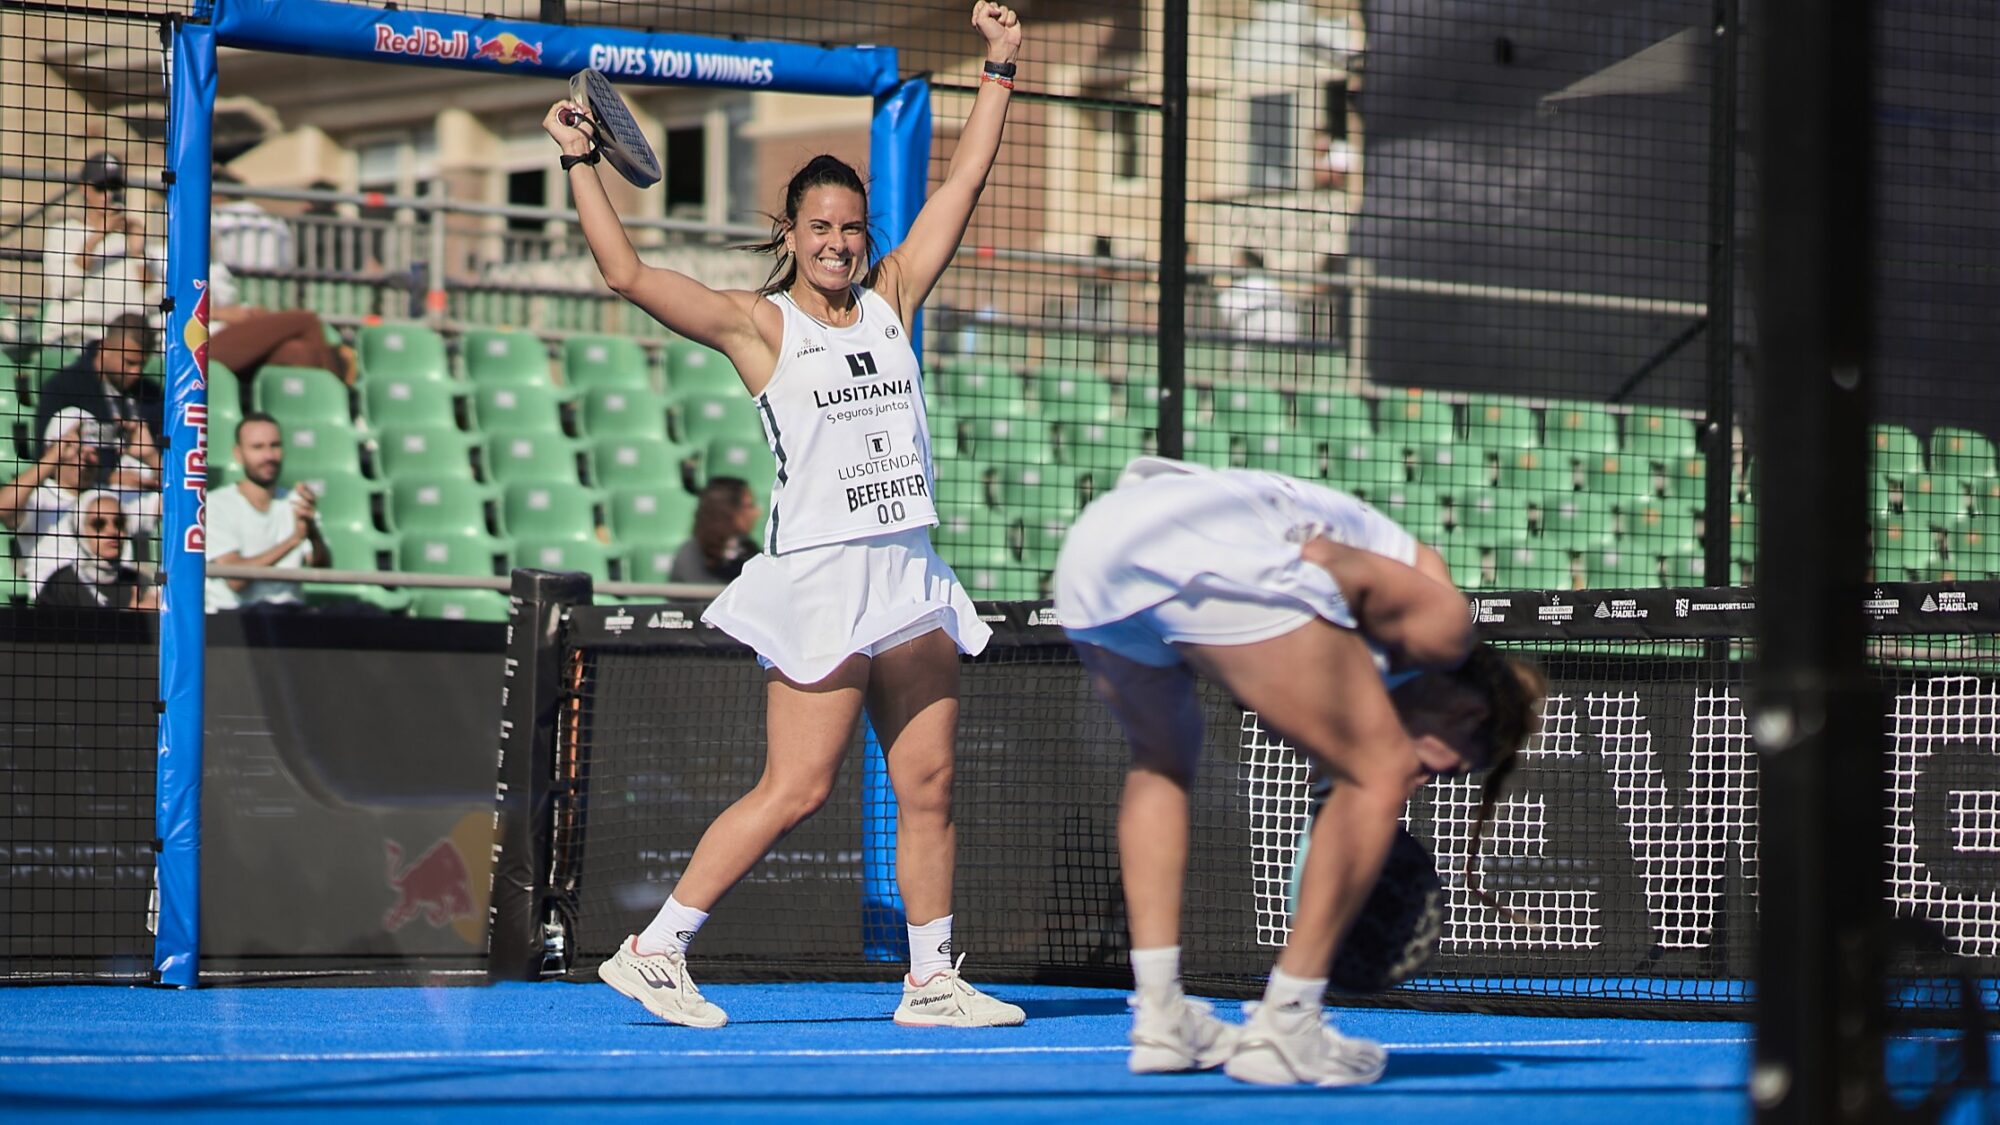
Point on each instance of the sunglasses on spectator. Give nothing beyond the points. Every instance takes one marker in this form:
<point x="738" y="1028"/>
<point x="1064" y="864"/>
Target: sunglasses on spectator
<point x="99" y="523"/>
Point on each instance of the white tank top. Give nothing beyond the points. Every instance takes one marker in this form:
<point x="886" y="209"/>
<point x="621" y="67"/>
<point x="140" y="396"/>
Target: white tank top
<point x="844" y="413"/>
<point x="1170" y="526"/>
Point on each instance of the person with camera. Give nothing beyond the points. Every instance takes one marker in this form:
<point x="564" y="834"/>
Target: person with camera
<point x="258" y="523"/>
<point x="94" y="572"/>
<point x="79" y="457"/>
<point x="100" y="265"/>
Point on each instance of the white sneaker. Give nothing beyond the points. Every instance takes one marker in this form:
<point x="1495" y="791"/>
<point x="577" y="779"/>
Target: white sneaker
<point x="661" y="982"/>
<point x="946" y="1000"/>
<point x="1294" y="1046"/>
<point x="1171" y="1032"/>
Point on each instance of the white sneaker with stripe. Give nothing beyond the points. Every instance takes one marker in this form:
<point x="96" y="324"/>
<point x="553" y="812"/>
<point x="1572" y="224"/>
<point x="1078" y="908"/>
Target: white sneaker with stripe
<point x="661" y="982"/>
<point x="946" y="1000"/>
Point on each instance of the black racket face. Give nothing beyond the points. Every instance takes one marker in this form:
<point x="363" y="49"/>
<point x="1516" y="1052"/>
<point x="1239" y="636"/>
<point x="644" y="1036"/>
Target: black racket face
<point x="1400" y="925"/>
<point x="624" y="146"/>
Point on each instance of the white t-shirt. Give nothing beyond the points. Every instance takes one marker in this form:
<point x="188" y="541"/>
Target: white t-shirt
<point x="235" y="525"/>
<point x="1255" y="308"/>
<point x="844" y="414"/>
<point x="244" y="236"/>
<point x="81" y="302"/>
<point x="1172" y="528"/>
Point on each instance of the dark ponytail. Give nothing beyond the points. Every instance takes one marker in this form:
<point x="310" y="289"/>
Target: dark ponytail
<point x="820" y="171"/>
<point x="1513" y="690"/>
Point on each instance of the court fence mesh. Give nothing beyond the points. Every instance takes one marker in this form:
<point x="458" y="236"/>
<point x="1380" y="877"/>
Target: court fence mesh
<point x="82" y="243"/>
<point x="1626" y="847"/>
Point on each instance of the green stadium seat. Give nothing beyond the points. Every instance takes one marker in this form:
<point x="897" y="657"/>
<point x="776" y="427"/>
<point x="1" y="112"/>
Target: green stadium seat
<point x="1897" y="450"/>
<point x="991" y="341"/>
<point x="1982" y="495"/>
<point x="1523" y="565"/>
<point x="1456" y="469"/>
<point x="1212" y="446"/>
<point x="605" y="363"/>
<point x="1097" y="445"/>
<point x="1657" y="526"/>
<point x="468" y="555"/>
<point x="1898" y="547"/>
<point x="624" y="413"/>
<point x="1334" y="416"/>
<point x="518" y="408"/>
<point x="302" y="396"/>
<point x="438" y="507"/>
<point x="1043" y="492"/>
<point x="1579" y="521"/>
<point x="225" y="393"/>
<point x="585" y="555"/>
<point x="342" y="501"/>
<point x="660" y="513"/>
<point x="1659" y="435"/>
<point x="358" y="548"/>
<point x="1499" y="422"/>
<point x="427" y="453"/>
<point x="998" y="438"/>
<point x="1250" y="411"/>
<point x="1209" y="364"/>
<point x="993" y="579"/>
<point x="694" y="369"/>
<point x="1414" y="507"/>
<point x="1617" y="568"/>
<point x="1357" y="462"/>
<point x="509" y="358"/>
<point x="983" y="387"/>
<point x="548" y="511"/>
<point x="651" y="560"/>
<point x="973" y="535"/>
<point x="640" y="462"/>
<point x="749" y="461"/>
<point x="966" y="485"/>
<point x="700" y="416"/>
<point x="1411" y="419"/>
<point x="1583" y="428"/>
<point x="459" y="605"/>
<point x="402" y="351"/>
<point x="1070" y="348"/>
<point x="1536" y="471"/>
<point x="1292" y="454"/>
<point x="1936" y="499"/>
<point x="537" y="458"/>
<point x="321" y="449"/>
<point x="1136" y="399"/>
<point x="1614" y="474"/>
<point x="1961" y="452"/>
<point x="392" y="401"/>
<point x="1494" y="516"/>
<point x="1073" y="395"/>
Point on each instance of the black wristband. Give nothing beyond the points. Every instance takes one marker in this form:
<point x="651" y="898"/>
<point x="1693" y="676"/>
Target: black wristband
<point x="591" y="157"/>
<point x="1000" y="69"/>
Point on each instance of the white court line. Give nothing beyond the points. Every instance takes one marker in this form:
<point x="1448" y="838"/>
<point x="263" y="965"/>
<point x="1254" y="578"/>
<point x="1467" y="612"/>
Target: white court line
<point x="784" y="1053"/>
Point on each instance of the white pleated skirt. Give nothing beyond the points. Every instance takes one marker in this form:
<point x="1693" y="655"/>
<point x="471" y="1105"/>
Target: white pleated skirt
<point x="806" y="611"/>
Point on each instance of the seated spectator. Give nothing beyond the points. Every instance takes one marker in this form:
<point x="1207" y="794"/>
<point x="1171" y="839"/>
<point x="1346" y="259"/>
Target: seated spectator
<point x="100" y="266"/>
<point x="721" y="543"/>
<point x="1254" y="307"/>
<point x="242" y="337"/>
<point x="92" y="551"/>
<point x="257" y="523"/>
<point x="77" y="460"/>
<point x="104" y="382"/>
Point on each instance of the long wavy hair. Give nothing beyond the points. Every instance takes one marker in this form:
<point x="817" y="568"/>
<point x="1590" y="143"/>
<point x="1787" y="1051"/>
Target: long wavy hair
<point x="1513" y="690"/>
<point x="820" y="171"/>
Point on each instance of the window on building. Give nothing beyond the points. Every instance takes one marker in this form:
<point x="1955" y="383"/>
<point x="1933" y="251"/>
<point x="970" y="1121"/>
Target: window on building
<point x="1336" y="109"/>
<point x="1272" y="158"/>
<point x="528" y="187"/>
<point x="1125" y="145"/>
<point x="686" y="173"/>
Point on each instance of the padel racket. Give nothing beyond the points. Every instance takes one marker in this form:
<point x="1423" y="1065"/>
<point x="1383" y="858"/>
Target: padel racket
<point x="613" y="131"/>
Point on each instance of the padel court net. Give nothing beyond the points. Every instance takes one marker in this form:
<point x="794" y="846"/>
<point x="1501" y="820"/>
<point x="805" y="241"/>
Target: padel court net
<point x="1626" y="847"/>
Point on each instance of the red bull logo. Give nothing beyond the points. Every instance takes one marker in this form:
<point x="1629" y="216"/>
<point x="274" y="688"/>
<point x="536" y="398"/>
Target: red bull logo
<point x="436" y="885"/>
<point x="195" y="335"/>
<point x="421" y="42"/>
<point x="507" y="49"/>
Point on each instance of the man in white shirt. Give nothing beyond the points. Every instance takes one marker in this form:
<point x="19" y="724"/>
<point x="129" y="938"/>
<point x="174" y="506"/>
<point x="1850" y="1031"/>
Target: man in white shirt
<point x="101" y="265"/>
<point x="1254" y="307"/>
<point x="257" y="523"/>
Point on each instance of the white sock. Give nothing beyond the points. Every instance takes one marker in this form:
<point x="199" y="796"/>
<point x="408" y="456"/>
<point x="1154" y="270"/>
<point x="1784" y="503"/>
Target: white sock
<point x="672" y="928"/>
<point x="1157" y="970"/>
<point x="1296" y="993"/>
<point x="930" y="949"/>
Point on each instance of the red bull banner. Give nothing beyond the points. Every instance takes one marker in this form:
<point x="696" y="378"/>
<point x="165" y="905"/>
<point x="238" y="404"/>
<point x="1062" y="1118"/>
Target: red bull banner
<point x="183" y="625"/>
<point x="319" y="27"/>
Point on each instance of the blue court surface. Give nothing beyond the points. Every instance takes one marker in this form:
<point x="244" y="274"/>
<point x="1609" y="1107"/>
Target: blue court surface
<point x="798" y="1052"/>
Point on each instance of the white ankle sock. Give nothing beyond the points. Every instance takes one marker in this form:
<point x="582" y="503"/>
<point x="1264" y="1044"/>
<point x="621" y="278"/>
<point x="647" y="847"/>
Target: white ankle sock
<point x="1297" y="993"/>
<point x="672" y="928"/>
<point x="930" y="949"/>
<point x="1156" y="970"/>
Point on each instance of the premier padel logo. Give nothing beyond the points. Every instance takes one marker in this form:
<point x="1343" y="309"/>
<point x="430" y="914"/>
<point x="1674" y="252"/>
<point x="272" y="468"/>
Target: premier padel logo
<point x="669" y="619"/>
<point x="1045" y="617"/>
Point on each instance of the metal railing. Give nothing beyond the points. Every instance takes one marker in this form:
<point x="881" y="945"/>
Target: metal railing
<point x="394" y="579"/>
